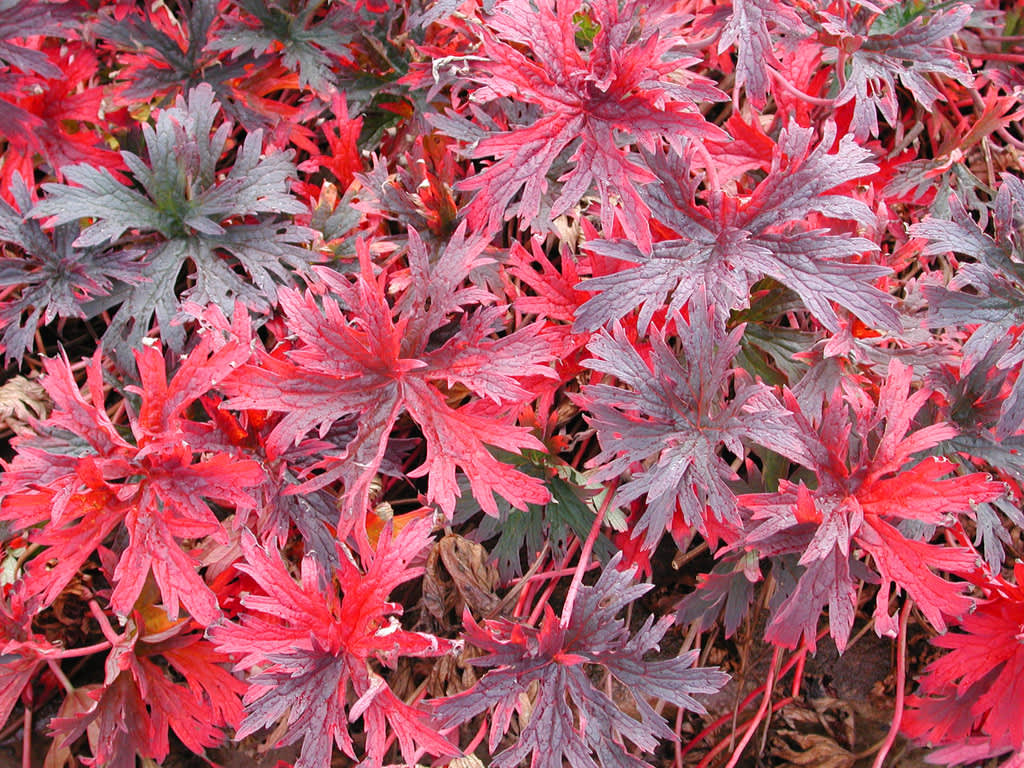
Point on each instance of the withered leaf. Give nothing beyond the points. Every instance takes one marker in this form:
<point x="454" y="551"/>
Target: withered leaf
<point x="815" y="750"/>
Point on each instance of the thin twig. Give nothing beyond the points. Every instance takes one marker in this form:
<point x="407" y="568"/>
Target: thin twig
<point x="791" y="89"/>
<point x="1013" y="58"/>
<point x="781" y="704"/>
<point x="86" y="650"/>
<point x="513" y="593"/>
<point x="678" y="761"/>
<point x="104" y="622"/>
<point x="538" y="608"/>
<point x="59" y="674"/>
<point x="1009" y="138"/>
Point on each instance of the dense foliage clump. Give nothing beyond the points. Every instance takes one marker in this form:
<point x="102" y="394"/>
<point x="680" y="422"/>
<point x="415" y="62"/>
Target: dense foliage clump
<point x="370" y="365"/>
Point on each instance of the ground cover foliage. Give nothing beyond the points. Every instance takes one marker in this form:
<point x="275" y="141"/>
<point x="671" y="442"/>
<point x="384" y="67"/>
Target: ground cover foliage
<point x="601" y="383"/>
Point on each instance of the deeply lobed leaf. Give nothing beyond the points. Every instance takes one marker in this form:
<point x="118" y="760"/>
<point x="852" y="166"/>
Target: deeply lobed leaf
<point x="724" y="247"/>
<point x="572" y="719"/>
<point x="863" y="455"/>
<point x="672" y="416"/>
<point x="314" y="646"/>
<point x="372" y="362"/>
<point x="227" y="229"/>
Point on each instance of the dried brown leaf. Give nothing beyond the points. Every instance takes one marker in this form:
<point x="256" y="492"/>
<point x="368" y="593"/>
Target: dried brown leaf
<point x="474" y="577"/>
<point x="458" y="575"/>
<point x="21" y="400"/>
<point x="814" y="750"/>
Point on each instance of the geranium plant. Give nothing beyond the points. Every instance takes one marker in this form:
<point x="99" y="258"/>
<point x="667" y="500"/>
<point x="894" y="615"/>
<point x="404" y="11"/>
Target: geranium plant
<point x="550" y="382"/>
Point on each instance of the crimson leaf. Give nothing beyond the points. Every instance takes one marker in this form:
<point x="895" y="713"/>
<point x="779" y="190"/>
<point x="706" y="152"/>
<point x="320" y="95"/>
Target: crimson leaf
<point x="140" y="698"/>
<point x="372" y="362"/>
<point x="21" y="19"/>
<point x="83" y="479"/>
<point x="626" y="89"/>
<point x="313" y="645"/>
<point x="570" y="718"/>
<point x="673" y="416"/>
<point x="22" y="650"/>
<point x="724" y="247"/>
<point x="867" y="480"/>
<point x="971" y="701"/>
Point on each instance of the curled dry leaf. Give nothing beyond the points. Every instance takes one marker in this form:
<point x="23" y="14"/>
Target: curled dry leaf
<point x="22" y="399"/>
<point x="474" y="577"/>
<point x="458" y="575"/>
<point x="814" y="750"/>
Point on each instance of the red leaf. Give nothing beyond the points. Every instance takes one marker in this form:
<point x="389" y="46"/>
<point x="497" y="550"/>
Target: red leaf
<point x="627" y="85"/>
<point x="313" y="645"/>
<point x="139" y="700"/>
<point x="155" y="484"/>
<point x="371" y="362"/>
<point x="22" y="651"/>
<point x="972" y="698"/>
<point x="864" y="481"/>
<point x="571" y="719"/>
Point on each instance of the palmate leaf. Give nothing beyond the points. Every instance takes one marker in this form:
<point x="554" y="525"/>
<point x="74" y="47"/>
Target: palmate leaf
<point x="726" y="246"/>
<point x="306" y="44"/>
<point x="575" y="500"/>
<point x="277" y="514"/>
<point x="867" y="481"/>
<point x="16" y="120"/>
<point x="748" y="25"/>
<point x="371" y="362"/>
<point x="54" y="278"/>
<point x="728" y="589"/>
<point x="64" y="111"/>
<point x="572" y="719"/>
<point x="22" y="650"/>
<point x="672" y="414"/>
<point x="21" y="19"/>
<point x="159" y="676"/>
<point x="888" y="47"/>
<point x="315" y="645"/>
<point x="971" y="701"/>
<point x="626" y="90"/>
<point x="987" y="292"/>
<point x="549" y="292"/>
<point x="976" y="397"/>
<point x="163" y="55"/>
<point x="186" y="215"/>
<point x="83" y="480"/>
